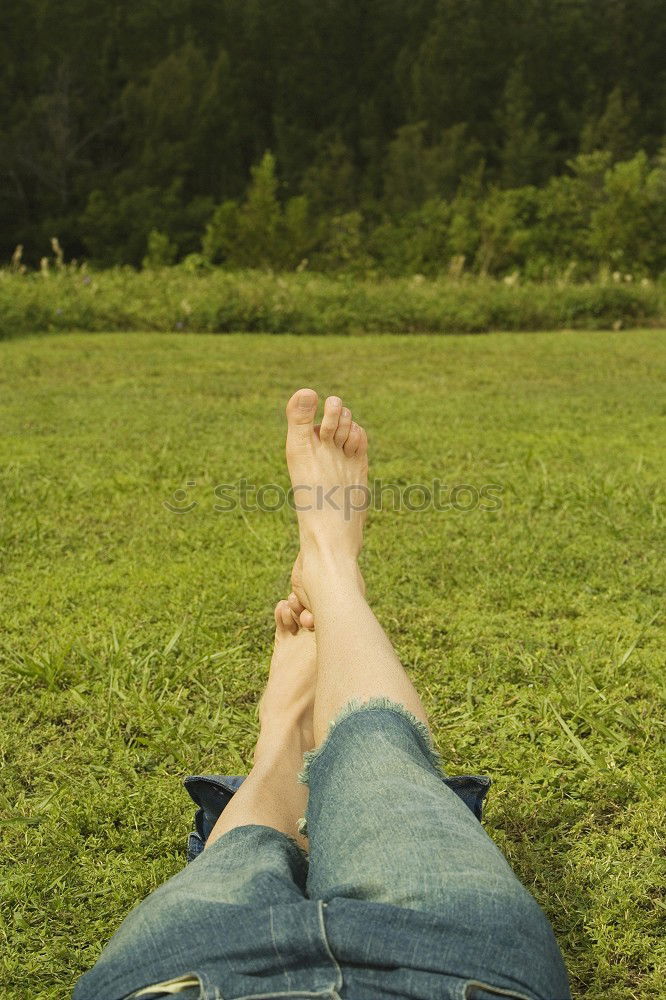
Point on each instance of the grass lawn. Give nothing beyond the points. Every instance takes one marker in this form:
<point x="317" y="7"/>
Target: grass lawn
<point x="134" y="641"/>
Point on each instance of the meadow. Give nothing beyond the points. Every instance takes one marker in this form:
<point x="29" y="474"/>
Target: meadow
<point x="134" y="638"/>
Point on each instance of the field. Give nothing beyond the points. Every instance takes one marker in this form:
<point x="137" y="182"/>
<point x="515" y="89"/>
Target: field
<point x="135" y="639"/>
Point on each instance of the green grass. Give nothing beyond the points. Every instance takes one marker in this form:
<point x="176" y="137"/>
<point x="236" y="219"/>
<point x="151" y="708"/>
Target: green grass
<point x="218" y="301"/>
<point x="134" y="641"/>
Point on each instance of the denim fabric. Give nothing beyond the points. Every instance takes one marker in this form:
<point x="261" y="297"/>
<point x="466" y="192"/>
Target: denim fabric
<point x="402" y="893"/>
<point x="212" y="792"/>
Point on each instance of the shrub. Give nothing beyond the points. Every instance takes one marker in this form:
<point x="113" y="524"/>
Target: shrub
<point x="342" y="247"/>
<point x="219" y="301"/>
<point x="416" y="244"/>
<point x="221" y="233"/>
<point x="161" y="251"/>
<point x="506" y="224"/>
<point x="627" y="227"/>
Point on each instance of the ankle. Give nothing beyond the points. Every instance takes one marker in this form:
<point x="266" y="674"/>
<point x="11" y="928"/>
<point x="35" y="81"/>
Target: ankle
<point x="281" y="744"/>
<point x="325" y="567"/>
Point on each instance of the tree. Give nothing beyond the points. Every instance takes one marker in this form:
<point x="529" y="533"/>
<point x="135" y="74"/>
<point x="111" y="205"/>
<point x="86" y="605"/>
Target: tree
<point x="562" y="227"/>
<point x="221" y="235"/>
<point x="614" y="130"/>
<point x="330" y="183"/>
<point x="521" y="153"/>
<point x="627" y="227"/>
<point x="367" y="105"/>
<point x="258" y="226"/>
<point x="161" y="251"/>
<point x="416" y="172"/>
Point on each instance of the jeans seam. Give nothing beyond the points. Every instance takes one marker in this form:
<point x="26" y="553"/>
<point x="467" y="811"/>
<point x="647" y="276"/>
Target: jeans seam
<point x="278" y="956"/>
<point x="324" y="936"/>
<point x="309" y="994"/>
<point x="497" y="990"/>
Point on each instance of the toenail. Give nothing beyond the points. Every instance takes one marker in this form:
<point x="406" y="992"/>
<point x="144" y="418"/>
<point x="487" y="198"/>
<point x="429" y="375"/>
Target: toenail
<point x="305" y="402"/>
<point x="335" y="401"/>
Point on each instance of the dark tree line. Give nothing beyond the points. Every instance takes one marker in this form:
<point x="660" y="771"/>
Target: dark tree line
<point x="120" y="119"/>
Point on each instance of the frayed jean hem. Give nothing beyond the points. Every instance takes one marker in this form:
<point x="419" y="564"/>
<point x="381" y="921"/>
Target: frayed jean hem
<point x="378" y="703"/>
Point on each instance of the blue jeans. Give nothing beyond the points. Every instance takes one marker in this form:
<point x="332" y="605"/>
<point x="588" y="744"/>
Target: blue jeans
<point x="402" y="894"/>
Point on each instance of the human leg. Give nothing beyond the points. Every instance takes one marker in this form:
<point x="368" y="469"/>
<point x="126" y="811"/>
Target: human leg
<point x="271" y="794"/>
<point x="254" y="864"/>
<point x="384" y="822"/>
<point x="355" y="658"/>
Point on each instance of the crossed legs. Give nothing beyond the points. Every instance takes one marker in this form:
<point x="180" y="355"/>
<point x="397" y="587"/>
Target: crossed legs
<point x="385" y="825"/>
<point x="310" y="678"/>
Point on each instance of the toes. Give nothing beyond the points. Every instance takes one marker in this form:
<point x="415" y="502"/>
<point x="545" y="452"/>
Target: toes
<point x="301" y="615"/>
<point x="363" y="446"/>
<point x="295" y="605"/>
<point x="353" y="440"/>
<point x="344" y="426"/>
<point x="284" y="619"/>
<point x="301" y="410"/>
<point x="307" y="620"/>
<point x="329" y="422"/>
<point x="302" y="407"/>
<point x="288" y="618"/>
<point x="278" y="614"/>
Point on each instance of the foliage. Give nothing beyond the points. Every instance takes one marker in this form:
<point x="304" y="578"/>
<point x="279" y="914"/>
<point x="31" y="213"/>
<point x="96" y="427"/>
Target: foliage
<point x="161" y="252"/>
<point x="259" y="232"/>
<point x="135" y="640"/>
<point x="194" y="296"/>
<point x="221" y="233"/>
<point x="342" y="247"/>
<point x="629" y="224"/>
<point x="598" y="214"/>
<point x="564" y="218"/>
<point x="418" y="242"/>
<point x="117" y="225"/>
<point x="111" y="127"/>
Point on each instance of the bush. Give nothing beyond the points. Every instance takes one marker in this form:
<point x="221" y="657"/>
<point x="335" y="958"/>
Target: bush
<point x="416" y="244"/>
<point x="562" y="226"/>
<point x="342" y="245"/>
<point x="506" y="222"/>
<point x="221" y="233"/>
<point x="259" y="232"/>
<point x="627" y="227"/>
<point x="213" y="301"/>
<point x="161" y="251"/>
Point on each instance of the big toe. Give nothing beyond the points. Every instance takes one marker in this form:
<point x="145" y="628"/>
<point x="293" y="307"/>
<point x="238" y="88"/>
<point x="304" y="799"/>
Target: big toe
<point x="301" y="410"/>
<point x="284" y="620"/>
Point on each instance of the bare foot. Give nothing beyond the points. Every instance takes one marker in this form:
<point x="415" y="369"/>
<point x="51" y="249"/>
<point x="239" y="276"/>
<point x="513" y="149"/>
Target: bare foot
<point x="328" y="466"/>
<point x="286" y="706"/>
